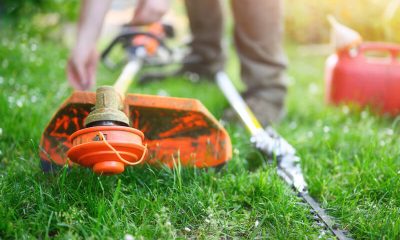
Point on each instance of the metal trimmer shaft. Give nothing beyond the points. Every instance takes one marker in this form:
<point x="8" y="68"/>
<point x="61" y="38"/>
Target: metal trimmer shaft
<point x="273" y="145"/>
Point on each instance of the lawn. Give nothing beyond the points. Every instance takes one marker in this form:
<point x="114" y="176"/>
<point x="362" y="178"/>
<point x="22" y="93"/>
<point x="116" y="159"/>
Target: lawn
<point x="350" y="159"/>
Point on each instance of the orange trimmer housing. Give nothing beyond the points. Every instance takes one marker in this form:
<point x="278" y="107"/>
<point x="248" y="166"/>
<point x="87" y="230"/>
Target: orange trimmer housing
<point x="149" y="43"/>
<point x="176" y="131"/>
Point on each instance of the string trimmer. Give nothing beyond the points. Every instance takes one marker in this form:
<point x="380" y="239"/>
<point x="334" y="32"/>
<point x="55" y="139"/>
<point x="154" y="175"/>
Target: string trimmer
<point x="174" y="128"/>
<point x="132" y="129"/>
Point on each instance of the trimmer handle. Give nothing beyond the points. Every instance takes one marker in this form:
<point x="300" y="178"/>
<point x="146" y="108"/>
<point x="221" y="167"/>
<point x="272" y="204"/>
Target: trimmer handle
<point x="148" y="39"/>
<point x="392" y="49"/>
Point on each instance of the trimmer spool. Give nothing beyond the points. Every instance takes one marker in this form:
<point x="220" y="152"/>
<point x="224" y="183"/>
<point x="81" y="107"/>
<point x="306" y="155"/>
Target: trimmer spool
<point x="107" y="143"/>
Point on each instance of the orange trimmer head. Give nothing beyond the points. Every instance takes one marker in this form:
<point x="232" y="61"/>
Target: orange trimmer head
<point x="175" y="130"/>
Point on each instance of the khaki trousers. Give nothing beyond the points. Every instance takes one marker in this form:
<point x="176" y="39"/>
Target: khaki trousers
<point x="258" y="29"/>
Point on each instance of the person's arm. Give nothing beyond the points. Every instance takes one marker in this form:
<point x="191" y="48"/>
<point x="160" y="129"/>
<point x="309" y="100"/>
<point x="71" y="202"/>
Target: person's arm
<point x="82" y="64"/>
<point x="150" y="11"/>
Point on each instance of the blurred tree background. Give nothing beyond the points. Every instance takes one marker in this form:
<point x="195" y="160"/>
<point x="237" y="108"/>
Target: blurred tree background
<point x="305" y="20"/>
<point x="42" y="19"/>
<point x="67" y="9"/>
<point x="375" y="20"/>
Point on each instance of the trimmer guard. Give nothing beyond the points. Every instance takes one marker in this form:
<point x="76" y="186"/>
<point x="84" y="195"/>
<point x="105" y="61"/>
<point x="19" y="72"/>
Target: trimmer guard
<point x="176" y="129"/>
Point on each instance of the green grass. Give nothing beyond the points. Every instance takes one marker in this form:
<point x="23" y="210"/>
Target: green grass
<point x="350" y="159"/>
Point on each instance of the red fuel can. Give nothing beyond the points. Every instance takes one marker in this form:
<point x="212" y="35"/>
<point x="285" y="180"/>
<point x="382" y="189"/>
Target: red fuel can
<point x="368" y="75"/>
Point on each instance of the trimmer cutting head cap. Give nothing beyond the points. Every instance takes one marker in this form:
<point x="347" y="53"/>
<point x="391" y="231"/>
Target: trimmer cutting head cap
<point x="107" y="149"/>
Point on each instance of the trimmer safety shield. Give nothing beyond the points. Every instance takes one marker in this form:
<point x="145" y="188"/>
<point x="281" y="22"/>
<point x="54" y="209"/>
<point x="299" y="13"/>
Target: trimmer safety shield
<point x="175" y="129"/>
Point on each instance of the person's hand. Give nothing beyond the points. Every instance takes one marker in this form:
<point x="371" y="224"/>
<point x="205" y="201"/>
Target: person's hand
<point x="81" y="68"/>
<point x="149" y="11"/>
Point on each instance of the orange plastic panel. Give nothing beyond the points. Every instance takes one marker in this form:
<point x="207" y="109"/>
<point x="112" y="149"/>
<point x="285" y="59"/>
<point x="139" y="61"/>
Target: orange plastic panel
<point x="175" y="129"/>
